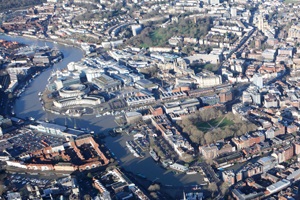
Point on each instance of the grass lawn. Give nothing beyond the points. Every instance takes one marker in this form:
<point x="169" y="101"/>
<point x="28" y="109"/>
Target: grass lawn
<point x="158" y="38"/>
<point x="215" y="122"/>
<point x="226" y="122"/>
<point x="205" y="126"/>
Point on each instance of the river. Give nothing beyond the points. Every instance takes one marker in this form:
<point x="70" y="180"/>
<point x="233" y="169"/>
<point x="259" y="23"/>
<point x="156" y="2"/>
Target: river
<point x="28" y="105"/>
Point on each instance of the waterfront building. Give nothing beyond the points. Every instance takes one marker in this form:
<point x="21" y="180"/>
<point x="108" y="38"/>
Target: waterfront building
<point x="73" y="90"/>
<point x="178" y="167"/>
<point x="49" y="128"/>
<point x="77" y="101"/>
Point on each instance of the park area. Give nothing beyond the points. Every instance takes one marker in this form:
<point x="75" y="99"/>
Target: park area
<point x="212" y="124"/>
<point x="159" y="36"/>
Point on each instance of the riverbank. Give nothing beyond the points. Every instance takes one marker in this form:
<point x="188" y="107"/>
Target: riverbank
<point x="57" y="41"/>
<point x="28" y="105"/>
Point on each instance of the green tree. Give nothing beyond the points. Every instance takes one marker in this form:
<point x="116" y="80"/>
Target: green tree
<point x="89" y="175"/>
<point x="224" y="187"/>
<point x="2" y="188"/>
<point x="154" y="187"/>
<point x="154" y="195"/>
<point x="213" y="188"/>
<point x="87" y="197"/>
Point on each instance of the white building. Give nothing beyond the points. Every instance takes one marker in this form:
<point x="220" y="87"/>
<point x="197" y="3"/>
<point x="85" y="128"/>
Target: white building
<point x="258" y="80"/>
<point x="92" y="73"/>
<point x="233" y="11"/>
<point x="14" y="196"/>
<point x="140" y="100"/>
<point x="136" y="29"/>
<point x="278" y="186"/>
<point x="75" y="101"/>
<point x="178" y="167"/>
<point x="207" y="79"/>
<point x="49" y="128"/>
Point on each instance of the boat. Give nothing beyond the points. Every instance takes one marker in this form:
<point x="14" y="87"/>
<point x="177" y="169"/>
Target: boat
<point x="98" y="114"/>
<point x="191" y="172"/>
<point x="141" y="175"/>
<point x="135" y="153"/>
<point x="31" y="118"/>
<point x="153" y="155"/>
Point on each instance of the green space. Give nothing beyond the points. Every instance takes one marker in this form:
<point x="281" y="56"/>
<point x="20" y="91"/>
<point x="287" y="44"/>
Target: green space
<point x="215" y="122"/>
<point x="159" y="36"/>
<point x="226" y="122"/>
<point x="210" y="125"/>
<point x="198" y="67"/>
<point x="220" y="122"/>
<point x="203" y="126"/>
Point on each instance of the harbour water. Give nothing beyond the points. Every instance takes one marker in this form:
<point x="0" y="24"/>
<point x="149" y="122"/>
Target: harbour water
<point x="28" y="105"/>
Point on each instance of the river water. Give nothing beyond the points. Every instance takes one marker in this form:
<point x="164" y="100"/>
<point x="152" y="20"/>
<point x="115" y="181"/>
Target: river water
<point x="28" y="105"/>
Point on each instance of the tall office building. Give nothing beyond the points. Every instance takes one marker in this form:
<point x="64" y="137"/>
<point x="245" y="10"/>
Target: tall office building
<point x="261" y="23"/>
<point x="258" y="80"/>
<point x="233" y="11"/>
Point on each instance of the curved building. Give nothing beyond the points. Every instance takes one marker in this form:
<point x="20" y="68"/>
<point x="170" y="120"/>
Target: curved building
<point x="78" y="101"/>
<point x="73" y="90"/>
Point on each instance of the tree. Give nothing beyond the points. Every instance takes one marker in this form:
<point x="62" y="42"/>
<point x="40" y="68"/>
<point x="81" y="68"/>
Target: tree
<point x="10" y="96"/>
<point x="200" y="133"/>
<point x="224" y="187"/>
<point x="154" y="187"/>
<point x="154" y="195"/>
<point x="213" y="188"/>
<point x="209" y="161"/>
<point x="208" y="138"/>
<point x="87" y="197"/>
<point x="153" y="71"/>
<point x="89" y="175"/>
<point x="2" y="188"/>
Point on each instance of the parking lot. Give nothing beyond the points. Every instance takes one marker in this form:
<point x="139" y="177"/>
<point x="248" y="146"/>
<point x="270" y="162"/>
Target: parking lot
<point x="17" y="181"/>
<point x="29" y="141"/>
